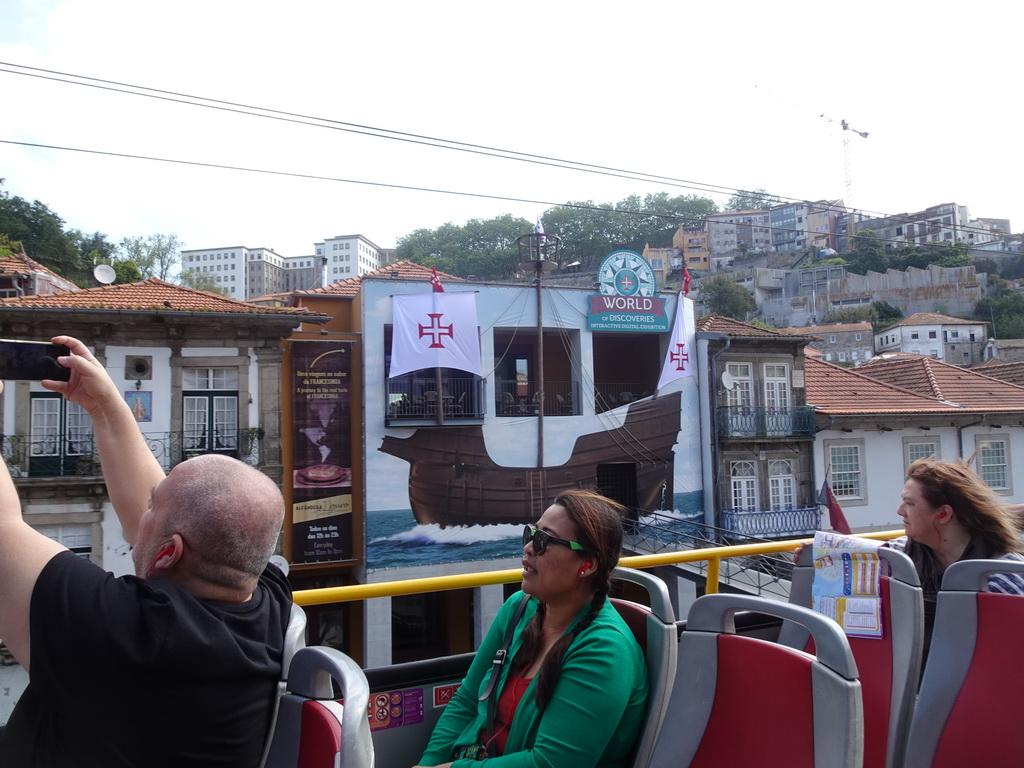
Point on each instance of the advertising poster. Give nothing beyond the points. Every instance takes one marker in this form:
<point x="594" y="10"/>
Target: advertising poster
<point x="322" y="461"/>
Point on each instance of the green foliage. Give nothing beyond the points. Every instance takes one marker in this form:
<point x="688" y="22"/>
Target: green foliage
<point x="1005" y="311"/>
<point x="126" y="271"/>
<point x="751" y="200"/>
<point x="41" y="235"/>
<point x="485" y="248"/>
<point x="869" y="253"/>
<point x="154" y="255"/>
<point x="722" y="296"/>
<point x="879" y="314"/>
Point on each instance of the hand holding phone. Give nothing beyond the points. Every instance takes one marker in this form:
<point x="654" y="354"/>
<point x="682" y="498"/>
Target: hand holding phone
<point x="32" y="361"/>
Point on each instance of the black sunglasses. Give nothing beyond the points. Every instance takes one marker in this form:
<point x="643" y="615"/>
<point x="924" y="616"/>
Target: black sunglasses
<point x="541" y="540"/>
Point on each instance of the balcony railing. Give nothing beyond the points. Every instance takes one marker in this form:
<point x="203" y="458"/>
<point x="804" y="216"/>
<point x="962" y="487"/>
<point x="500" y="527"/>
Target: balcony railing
<point x="612" y="394"/>
<point x="515" y="397"/>
<point x="409" y="398"/>
<point x="802" y="521"/>
<point x="54" y="456"/>
<point x="747" y="421"/>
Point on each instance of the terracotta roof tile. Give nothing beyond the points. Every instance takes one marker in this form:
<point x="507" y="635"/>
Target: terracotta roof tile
<point x="407" y="270"/>
<point x="1012" y="373"/>
<point x="20" y="264"/>
<point x="960" y="386"/>
<point x="934" y="318"/>
<point x="817" y="330"/>
<point x="834" y="390"/>
<point x="152" y="294"/>
<point x="722" y="324"/>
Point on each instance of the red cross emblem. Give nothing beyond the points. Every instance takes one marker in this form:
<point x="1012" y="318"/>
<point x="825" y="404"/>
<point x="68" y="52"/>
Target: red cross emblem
<point x="436" y="331"/>
<point x="680" y="358"/>
<point x="626" y="283"/>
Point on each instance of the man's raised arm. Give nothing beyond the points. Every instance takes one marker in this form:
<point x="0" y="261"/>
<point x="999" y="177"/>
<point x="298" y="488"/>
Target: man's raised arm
<point x="130" y="469"/>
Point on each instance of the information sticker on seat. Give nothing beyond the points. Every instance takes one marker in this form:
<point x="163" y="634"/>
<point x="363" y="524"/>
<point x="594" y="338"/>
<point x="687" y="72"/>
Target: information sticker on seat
<point x="393" y="709"/>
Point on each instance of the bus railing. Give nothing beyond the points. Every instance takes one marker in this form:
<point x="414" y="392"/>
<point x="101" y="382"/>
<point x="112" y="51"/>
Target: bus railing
<point x="712" y="555"/>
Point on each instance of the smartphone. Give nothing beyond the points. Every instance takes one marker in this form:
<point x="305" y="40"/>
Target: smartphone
<point x="32" y="361"/>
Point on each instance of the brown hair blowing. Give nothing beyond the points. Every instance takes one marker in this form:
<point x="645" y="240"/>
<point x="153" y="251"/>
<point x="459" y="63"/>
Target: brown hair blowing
<point x="598" y="522"/>
<point x="976" y="506"/>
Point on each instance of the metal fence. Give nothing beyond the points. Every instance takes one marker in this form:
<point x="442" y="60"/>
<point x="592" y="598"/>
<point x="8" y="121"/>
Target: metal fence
<point x="747" y="421"/>
<point x="56" y="456"/>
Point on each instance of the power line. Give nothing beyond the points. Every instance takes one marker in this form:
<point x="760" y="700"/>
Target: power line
<point x="419" y="139"/>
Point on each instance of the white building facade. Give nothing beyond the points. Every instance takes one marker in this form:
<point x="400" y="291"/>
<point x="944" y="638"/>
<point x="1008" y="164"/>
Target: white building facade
<point x="348" y="256"/>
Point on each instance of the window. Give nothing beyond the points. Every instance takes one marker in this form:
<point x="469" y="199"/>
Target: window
<point x="831" y="339"/>
<point x="932" y="335"/>
<point x="210" y="410"/>
<point x="994" y="462"/>
<point x="914" y="335"/>
<point x="77" y="538"/>
<point x="844" y="462"/>
<point x="742" y="391"/>
<point x="842" y="357"/>
<point x="915" y="448"/>
<point x="857" y="337"/>
<point x="781" y="484"/>
<point x="60" y="437"/>
<point x="744" y="485"/>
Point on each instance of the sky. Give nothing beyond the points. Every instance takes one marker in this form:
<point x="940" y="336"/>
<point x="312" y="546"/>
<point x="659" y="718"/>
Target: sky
<point x="724" y="96"/>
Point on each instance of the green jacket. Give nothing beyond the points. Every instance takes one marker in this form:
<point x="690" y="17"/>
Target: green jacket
<point x="595" y="714"/>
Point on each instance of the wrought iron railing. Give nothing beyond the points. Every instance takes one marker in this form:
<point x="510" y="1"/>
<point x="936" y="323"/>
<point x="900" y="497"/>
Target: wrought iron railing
<point x="656" y="532"/>
<point x="800" y="521"/>
<point x="747" y="421"/>
<point x="410" y="398"/>
<point x="57" y="456"/>
<point x="521" y="397"/>
<point x="612" y="394"/>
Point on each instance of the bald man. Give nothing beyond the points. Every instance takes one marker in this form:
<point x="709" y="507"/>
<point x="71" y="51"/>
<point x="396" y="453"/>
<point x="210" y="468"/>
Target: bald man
<point x="174" y="666"/>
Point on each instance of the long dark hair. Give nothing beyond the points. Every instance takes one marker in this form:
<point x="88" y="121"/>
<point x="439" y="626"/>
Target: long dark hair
<point x="598" y="521"/>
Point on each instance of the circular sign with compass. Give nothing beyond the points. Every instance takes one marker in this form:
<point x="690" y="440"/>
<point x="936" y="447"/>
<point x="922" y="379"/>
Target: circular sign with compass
<point x="626" y="273"/>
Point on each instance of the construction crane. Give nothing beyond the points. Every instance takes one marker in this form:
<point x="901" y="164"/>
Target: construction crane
<point x="847" y="128"/>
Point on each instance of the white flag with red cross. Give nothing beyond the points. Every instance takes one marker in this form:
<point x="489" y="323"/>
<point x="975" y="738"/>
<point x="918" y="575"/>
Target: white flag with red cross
<point x="680" y="359"/>
<point x="435" y="330"/>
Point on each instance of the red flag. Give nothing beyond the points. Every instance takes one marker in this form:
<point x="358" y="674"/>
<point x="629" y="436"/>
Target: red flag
<point x="435" y="281"/>
<point x="686" y="281"/>
<point x="836" y="518"/>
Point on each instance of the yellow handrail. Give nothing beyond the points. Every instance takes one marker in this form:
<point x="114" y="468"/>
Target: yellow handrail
<point x="713" y="555"/>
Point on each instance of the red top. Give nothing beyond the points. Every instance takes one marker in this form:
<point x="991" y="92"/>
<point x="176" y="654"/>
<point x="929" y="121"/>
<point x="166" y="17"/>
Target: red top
<point x="508" y="702"/>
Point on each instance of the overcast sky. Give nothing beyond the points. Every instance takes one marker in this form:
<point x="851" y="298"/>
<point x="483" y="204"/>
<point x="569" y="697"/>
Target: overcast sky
<point x="724" y="94"/>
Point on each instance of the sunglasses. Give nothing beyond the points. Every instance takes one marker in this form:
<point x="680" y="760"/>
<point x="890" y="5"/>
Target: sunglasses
<point x="541" y="540"/>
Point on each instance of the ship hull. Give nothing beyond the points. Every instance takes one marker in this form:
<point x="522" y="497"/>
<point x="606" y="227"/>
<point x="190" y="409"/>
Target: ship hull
<point x="453" y="480"/>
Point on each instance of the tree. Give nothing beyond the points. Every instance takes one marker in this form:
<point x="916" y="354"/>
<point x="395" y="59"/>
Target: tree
<point x="126" y="271"/>
<point x="722" y="296"/>
<point x="155" y="255"/>
<point x="201" y="281"/>
<point x="746" y="200"/>
<point x="485" y="248"/>
<point x="39" y="233"/>
<point x="1005" y="311"/>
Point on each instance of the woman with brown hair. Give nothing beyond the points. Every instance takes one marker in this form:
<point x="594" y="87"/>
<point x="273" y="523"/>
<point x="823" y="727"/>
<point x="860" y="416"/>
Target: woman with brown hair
<point x="575" y="693"/>
<point x="949" y="514"/>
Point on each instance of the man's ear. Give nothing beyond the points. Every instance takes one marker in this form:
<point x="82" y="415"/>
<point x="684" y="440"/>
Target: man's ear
<point x="170" y="553"/>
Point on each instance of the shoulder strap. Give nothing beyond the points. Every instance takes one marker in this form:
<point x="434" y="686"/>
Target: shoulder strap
<point x="499" y="661"/>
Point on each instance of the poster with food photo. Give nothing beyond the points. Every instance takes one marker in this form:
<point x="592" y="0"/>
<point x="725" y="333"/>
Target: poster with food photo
<point x="322" y="453"/>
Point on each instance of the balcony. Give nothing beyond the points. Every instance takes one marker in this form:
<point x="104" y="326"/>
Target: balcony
<point x="614" y="394"/>
<point x="53" y="456"/>
<point x="410" y="398"/>
<point x="747" y="421"/>
<point x="802" y="521"/>
<point x="521" y="397"/>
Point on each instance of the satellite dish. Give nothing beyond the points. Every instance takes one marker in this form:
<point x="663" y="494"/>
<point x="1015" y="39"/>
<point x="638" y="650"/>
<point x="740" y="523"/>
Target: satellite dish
<point x="104" y="273"/>
<point x="728" y="381"/>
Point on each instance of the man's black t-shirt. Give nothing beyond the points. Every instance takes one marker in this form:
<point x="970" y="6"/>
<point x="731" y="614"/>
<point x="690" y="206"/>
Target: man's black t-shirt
<point x="129" y="672"/>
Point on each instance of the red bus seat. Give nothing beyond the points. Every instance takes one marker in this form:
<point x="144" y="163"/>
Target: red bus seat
<point x="655" y="631"/>
<point x="969" y="711"/>
<point x="890" y="666"/>
<point x="313" y="730"/>
<point x="745" y="701"/>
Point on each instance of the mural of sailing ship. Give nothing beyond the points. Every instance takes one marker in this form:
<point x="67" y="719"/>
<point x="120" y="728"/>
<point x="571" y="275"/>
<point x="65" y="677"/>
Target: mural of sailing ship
<point x="453" y="480"/>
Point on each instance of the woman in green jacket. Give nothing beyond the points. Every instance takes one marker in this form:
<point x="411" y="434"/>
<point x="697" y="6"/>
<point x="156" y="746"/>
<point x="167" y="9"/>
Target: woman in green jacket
<point x="575" y="693"/>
